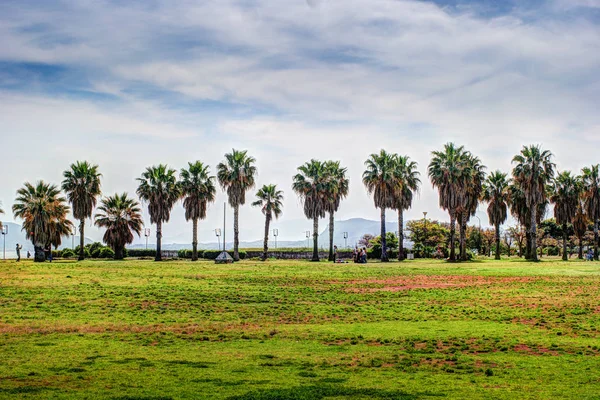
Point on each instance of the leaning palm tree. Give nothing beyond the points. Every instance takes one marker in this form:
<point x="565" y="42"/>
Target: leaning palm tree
<point x="121" y="216"/>
<point x="159" y="187"/>
<point x="533" y="171"/>
<point x="44" y="214"/>
<point x="337" y="189"/>
<point x="236" y="176"/>
<point x="591" y="193"/>
<point x="496" y="193"/>
<point x="565" y="193"/>
<point x="473" y="186"/>
<point x="82" y="187"/>
<point x="311" y="184"/>
<point x="447" y="172"/>
<point x="407" y="183"/>
<point x="198" y="190"/>
<point x="380" y="180"/>
<point x="270" y="200"/>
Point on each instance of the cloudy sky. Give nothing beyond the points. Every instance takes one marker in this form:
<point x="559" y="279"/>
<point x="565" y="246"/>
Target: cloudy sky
<point x="128" y="84"/>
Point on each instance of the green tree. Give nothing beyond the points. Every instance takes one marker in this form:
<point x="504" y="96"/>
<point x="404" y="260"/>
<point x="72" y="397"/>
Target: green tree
<point x="198" y="190"/>
<point x="591" y="195"/>
<point x="407" y="183"/>
<point x="495" y="192"/>
<point x="44" y="214"/>
<point x="311" y="185"/>
<point x="533" y="171"/>
<point x="158" y="187"/>
<point x="121" y="216"/>
<point x="337" y="189"/>
<point x="82" y="186"/>
<point x="566" y="191"/>
<point x="236" y="176"/>
<point x="380" y="180"/>
<point x="448" y="173"/>
<point x="270" y="201"/>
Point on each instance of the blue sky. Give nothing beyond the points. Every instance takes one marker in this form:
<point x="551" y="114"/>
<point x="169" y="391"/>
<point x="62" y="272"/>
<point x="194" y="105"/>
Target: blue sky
<point x="130" y="84"/>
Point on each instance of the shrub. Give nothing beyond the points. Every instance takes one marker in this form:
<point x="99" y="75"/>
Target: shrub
<point x="187" y="253"/>
<point x="375" y="253"/>
<point x="212" y="254"/>
<point x="106" y="252"/>
<point x="141" y="252"/>
<point x="95" y="249"/>
<point x="68" y="253"/>
<point x="86" y="252"/>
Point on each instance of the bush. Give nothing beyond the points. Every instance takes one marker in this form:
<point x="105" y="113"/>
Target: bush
<point x="187" y="253"/>
<point x="86" y="252"/>
<point x="375" y="253"/>
<point x="212" y="254"/>
<point x="140" y="252"/>
<point x="95" y="249"/>
<point x="106" y="252"/>
<point x="68" y="253"/>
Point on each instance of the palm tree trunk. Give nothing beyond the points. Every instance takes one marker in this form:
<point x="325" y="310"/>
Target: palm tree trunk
<point x="195" y="239"/>
<point x="463" y="237"/>
<point x="315" y="256"/>
<point x="81" y="239"/>
<point x="236" y="233"/>
<point x="580" y="247"/>
<point x="533" y="228"/>
<point x="158" y="256"/>
<point x="384" y="256"/>
<point x="118" y="253"/>
<point x="452" y="234"/>
<point x="564" y="255"/>
<point x="266" y="242"/>
<point x="401" y="235"/>
<point x="596" y="240"/>
<point x="497" y="257"/>
<point x="39" y="255"/>
<point x="331" y="226"/>
<point x="527" y="243"/>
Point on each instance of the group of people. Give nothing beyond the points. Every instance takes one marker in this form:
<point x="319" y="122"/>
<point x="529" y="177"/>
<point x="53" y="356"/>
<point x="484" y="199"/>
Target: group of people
<point x="359" y="255"/>
<point x="19" y="247"/>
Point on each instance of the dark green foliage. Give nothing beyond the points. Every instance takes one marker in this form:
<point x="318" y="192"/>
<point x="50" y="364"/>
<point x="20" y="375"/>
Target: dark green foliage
<point x="322" y="391"/>
<point x="141" y="252"/>
<point x="106" y="252"/>
<point x="67" y="253"/>
<point x="185" y="253"/>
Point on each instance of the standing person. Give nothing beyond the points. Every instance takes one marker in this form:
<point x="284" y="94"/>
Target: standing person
<point x="19" y="252"/>
<point x="28" y="255"/>
<point x="363" y="256"/>
<point x="334" y="253"/>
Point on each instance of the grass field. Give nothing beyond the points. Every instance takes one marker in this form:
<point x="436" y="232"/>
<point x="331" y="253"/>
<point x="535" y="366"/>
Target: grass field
<point x="300" y="330"/>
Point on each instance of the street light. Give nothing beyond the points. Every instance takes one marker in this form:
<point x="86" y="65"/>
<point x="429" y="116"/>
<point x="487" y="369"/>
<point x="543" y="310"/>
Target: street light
<point x="346" y="239"/>
<point x="147" y="234"/>
<point x="424" y="232"/>
<point x="218" y="235"/>
<point x="73" y="240"/>
<point x="275" y="234"/>
<point x="307" y="241"/>
<point x="4" y="233"/>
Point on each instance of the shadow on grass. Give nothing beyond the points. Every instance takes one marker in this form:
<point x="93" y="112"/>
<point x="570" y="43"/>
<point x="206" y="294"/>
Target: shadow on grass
<point x="324" y="391"/>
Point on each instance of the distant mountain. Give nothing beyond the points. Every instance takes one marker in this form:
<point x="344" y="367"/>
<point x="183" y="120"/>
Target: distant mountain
<point x="356" y="228"/>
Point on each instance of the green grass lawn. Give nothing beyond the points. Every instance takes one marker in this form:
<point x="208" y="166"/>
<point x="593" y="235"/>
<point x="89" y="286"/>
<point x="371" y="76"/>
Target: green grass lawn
<point x="300" y="330"/>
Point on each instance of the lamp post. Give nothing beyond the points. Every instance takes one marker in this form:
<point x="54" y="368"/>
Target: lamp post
<point x="73" y="240"/>
<point x="147" y="234"/>
<point x="218" y="235"/>
<point x="4" y="233"/>
<point x="424" y="232"/>
<point x="307" y="241"/>
<point x="346" y="239"/>
<point x="275" y="234"/>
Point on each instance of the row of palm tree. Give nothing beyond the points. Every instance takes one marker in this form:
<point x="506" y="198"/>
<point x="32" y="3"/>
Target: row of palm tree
<point x="393" y="180"/>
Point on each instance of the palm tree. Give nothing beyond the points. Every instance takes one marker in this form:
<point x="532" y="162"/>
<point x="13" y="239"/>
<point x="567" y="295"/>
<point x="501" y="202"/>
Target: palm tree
<point x="82" y="187"/>
<point x="580" y="224"/>
<point x="236" y="176"/>
<point x="533" y="171"/>
<point x="270" y="200"/>
<point x="447" y="172"/>
<point x="338" y="187"/>
<point x="519" y="209"/>
<point x="198" y="189"/>
<point x="44" y="214"/>
<point x="120" y="215"/>
<point x="496" y="193"/>
<point x="473" y="187"/>
<point x="407" y="183"/>
<point x="311" y="185"/>
<point x="591" y="194"/>
<point x="380" y="180"/>
<point x="159" y="187"/>
<point x="565" y="195"/>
